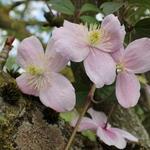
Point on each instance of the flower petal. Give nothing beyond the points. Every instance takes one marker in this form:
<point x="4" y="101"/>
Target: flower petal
<point x="113" y="34"/>
<point x="59" y="93"/>
<point x="70" y="41"/>
<point x="85" y="124"/>
<point x="99" y="117"/>
<point x="24" y="86"/>
<point x="126" y="135"/>
<point x="127" y="89"/>
<point x="30" y="51"/>
<point x="137" y="55"/>
<point x="110" y="137"/>
<point x="118" y="55"/>
<point x="75" y="27"/>
<point x="100" y="67"/>
<point x="55" y="60"/>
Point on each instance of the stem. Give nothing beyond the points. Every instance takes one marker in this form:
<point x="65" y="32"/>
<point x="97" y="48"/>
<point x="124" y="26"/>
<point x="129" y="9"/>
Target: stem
<point x="147" y="97"/>
<point x="49" y="7"/>
<point x="5" y="51"/>
<point x="109" y="115"/>
<point x="86" y="106"/>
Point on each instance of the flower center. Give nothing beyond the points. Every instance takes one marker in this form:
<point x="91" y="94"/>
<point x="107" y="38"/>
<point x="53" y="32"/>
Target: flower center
<point x="94" y="34"/>
<point x="38" y="82"/>
<point x="94" y="37"/>
<point x="119" y="67"/>
<point x="38" y="79"/>
<point x="34" y="70"/>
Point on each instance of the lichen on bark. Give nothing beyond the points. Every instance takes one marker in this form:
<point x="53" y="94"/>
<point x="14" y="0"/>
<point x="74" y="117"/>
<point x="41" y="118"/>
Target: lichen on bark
<point x="39" y="135"/>
<point x="23" y="119"/>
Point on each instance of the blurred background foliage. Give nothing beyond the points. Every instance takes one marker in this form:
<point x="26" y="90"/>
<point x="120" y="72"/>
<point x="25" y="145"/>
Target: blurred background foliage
<point x="23" y="18"/>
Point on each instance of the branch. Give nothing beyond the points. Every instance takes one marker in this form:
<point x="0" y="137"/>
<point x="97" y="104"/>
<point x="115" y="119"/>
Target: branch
<point x="86" y="106"/>
<point x="5" y="51"/>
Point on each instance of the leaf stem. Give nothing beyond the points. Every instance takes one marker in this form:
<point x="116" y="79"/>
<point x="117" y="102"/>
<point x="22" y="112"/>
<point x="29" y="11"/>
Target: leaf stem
<point x="109" y="115"/>
<point x="86" y="106"/>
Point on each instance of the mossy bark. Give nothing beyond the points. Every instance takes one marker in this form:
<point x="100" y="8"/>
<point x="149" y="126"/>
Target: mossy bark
<point x="16" y="114"/>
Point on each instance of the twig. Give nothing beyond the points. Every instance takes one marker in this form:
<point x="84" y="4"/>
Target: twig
<point x="15" y="4"/>
<point x="50" y="10"/>
<point x="5" y="51"/>
<point x="109" y="115"/>
<point x="96" y="102"/>
<point x="102" y="100"/>
<point x="147" y="97"/>
<point x="86" y="106"/>
<point x="22" y="14"/>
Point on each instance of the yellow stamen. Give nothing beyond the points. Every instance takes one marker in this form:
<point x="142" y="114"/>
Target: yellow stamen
<point x="120" y="67"/>
<point x="95" y="34"/>
<point x="34" y="70"/>
<point x="94" y="37"/>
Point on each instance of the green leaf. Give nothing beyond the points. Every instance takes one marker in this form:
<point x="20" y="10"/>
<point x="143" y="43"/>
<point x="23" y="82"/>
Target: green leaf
<point x="142" y="79"/>
<point x="80" y="96"/>
<point x="142" y="28"/>
<point x="89" y="7"/>
<point x="68" y="116"/>
<point x="88" y="19"/>
<point x="110" y="7"/>
<point x="90" y="135"/>
<point x="11" y="63"/>
<point x="140" y="3"/>
<point x="63" y="6"/>
<point x="107" y="92"/>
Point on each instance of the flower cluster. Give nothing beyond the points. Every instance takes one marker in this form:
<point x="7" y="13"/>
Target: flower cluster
<point x="105" y="59"/>
<point x="102" y="52"/>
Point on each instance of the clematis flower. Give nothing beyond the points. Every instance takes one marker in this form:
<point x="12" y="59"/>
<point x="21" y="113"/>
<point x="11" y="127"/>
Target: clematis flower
<point x="41" y="77"/>
<point x="109" y="135"/>
<point x="92" y="45"/>
<point x="133" y="60"/>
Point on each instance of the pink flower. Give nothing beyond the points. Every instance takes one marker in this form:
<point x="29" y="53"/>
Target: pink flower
<point x="134" y="59"/>
<point x="109" y="135"/>
<point x="78" y="43"/>
<point x="42" y="78"/>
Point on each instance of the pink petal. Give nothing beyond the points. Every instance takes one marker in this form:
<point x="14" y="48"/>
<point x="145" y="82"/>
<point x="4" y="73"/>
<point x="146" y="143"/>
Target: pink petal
<point x="99" y="117"/>
<point x="24" y="86"/>
<point x="75" y="27"/>
<point x="126" y="135"/>
<point x="59" y="93"/>
<point x="85" y="124"/>
<point x="113" y="34"/>
<point x="30" y="51"/>
<point x="70" y="41"/>
<point x="56" y="62"/>
<point x="137" y="55"/>
<point x="111" y="138"/>
<point x="127" y="89"/>
<point x="118" y="55"/>
<point x="100" y="67"/>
